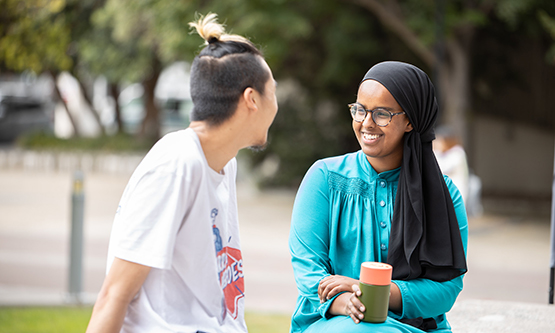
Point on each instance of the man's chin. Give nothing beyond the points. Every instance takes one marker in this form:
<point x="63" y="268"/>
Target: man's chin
<point x="258" y="148"/>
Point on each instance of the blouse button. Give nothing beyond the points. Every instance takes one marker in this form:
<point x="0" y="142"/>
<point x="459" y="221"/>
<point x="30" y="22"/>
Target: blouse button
<point x="382" y="203"/>
<point x="382" y="183"/>
<point x="384" y="247"/>
<point x="383" y="224"/>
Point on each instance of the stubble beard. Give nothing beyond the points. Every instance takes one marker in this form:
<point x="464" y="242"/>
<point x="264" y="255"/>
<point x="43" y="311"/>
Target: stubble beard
<point x="258" y="148"/>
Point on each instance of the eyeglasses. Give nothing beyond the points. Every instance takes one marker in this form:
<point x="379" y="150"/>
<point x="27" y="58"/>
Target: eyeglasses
<point x="380" y="116"/>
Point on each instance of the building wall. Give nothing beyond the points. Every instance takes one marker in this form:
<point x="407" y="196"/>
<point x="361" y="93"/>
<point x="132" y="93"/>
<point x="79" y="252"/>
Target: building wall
<point x="515" y="164"/>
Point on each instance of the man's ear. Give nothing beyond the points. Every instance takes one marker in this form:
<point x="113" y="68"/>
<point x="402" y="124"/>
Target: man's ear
<point x="250" y="97"/>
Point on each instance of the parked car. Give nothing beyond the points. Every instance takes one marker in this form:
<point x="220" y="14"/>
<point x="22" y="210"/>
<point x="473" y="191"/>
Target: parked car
<point x="19" y="115"/>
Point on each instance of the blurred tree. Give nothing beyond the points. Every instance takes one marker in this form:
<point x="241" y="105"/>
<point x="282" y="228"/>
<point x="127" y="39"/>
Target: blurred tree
<point x="548" y="22"/>
<point x="118" y="60"/>
<point x="34" y="35"/>
<point x="124" y="46"/>
<point x="40" y="36"/>
<point x="441" y="34"/>
<point x="133" y="40"/>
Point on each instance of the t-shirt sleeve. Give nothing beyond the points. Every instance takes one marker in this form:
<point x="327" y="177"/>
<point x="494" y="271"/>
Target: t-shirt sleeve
<point x="151" y="211"/>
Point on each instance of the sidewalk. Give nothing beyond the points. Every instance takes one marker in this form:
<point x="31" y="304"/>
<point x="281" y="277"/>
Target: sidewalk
<point x="508" y="258"/>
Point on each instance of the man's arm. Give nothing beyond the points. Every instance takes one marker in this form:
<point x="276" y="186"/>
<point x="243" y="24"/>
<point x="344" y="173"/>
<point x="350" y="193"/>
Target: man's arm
<point x="123" y="282"/>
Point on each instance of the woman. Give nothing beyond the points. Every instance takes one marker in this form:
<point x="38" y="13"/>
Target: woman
<point x="387" y="202"/>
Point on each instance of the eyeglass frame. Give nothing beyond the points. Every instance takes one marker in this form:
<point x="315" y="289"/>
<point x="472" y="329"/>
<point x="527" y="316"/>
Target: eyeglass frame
<point x="391" y="114"/>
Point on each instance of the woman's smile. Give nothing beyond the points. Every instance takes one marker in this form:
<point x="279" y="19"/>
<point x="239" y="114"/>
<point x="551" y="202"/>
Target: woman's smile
<point x="370" y="138"/>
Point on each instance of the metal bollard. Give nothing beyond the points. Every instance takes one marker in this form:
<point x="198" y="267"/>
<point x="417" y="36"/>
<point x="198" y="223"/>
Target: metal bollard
<point x="76" y="242"/>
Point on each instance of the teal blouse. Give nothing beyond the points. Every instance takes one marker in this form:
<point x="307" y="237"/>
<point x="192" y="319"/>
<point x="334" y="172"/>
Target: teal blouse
<point x="342" y="218"/>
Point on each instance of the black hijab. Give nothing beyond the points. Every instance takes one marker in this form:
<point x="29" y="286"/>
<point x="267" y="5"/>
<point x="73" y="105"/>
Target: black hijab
<point x="425" y="241"/>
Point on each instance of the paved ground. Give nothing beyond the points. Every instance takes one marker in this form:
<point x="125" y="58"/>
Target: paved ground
<point x="508" y="257"/>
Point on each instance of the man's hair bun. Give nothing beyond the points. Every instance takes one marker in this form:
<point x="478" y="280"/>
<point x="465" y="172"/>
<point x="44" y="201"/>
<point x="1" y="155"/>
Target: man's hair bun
<point x="212" y="32"/>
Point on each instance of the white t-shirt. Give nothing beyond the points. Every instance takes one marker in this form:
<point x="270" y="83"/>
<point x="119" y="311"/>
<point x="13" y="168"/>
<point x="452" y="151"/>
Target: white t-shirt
<point x="452" y="162"/>
<point x="179" y="216"/>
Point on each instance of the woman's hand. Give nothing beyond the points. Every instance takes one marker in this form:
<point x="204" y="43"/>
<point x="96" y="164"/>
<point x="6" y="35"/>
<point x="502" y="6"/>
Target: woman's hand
<point x="354" y="308"/>
<point x="333" y="285"/>
<point x="348" y="304"/>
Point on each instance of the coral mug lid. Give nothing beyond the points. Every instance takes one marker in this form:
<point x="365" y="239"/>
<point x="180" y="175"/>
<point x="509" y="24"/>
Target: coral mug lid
<point x="375" y="273"/>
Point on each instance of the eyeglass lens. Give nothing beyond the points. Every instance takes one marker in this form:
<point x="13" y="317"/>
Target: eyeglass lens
<point x="380" y="116"/>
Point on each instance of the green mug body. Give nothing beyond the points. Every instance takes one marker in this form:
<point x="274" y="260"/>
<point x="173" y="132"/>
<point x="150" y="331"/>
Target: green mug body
<point x="376" y="302"/>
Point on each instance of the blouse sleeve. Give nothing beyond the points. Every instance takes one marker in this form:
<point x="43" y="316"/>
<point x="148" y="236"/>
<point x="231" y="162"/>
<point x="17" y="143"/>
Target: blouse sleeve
<point x="426" y="298"/>
<point x="309" y="236"/>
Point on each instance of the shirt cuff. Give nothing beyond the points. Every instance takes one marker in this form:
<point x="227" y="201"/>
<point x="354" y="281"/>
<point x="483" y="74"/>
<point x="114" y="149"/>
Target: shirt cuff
<point x="404" y="297"/>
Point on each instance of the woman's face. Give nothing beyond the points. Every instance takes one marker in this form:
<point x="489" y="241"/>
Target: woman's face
<point x="383" y="146"/>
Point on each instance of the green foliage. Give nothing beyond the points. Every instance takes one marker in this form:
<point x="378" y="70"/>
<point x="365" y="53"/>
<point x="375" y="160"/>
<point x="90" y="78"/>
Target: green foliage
<point x="511" y="11"/>
<point x="548" y="23"/>
<point x="34" y="36"/>
<point x="76" y="319"/>
<point x="115" y="143"/>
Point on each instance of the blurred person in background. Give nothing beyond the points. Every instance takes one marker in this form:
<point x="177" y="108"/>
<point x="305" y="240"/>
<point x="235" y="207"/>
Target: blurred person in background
<point x="451" y="158"/>
<point x="387" y="202"/>
<point x="174" y="262"/>
<point x="452" y="161"/>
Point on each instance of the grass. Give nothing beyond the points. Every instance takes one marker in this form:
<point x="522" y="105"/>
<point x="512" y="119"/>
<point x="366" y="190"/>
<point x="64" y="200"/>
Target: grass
<point x="267" y="323"/>
<point x="44" y="319"/>
<point x="75" y="319"/>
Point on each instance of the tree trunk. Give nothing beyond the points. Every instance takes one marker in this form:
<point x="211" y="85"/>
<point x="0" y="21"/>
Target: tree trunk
<point x="114" y="91"/>
<point x="455" y="84"/>
<point x="76" y="131"/>
<point x="150" y="128"/>
<point x="88" y="99"/>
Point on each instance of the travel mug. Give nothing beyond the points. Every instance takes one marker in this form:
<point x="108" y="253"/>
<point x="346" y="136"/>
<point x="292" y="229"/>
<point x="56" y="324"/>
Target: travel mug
<point x="375" y="282"/>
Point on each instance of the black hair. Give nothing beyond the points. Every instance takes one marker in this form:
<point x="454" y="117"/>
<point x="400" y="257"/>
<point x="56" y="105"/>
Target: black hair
<point x="222" y="71"/>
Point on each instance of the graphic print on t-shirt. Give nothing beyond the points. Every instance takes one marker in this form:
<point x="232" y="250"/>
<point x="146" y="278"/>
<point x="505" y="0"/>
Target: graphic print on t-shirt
<point x="230" y="269"/>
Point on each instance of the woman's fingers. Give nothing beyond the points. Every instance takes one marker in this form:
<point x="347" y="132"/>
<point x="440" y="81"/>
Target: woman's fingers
<point x="353" y="311"/>
<point x="332" y="285"/>
<point x="333" y="291"/>
<point x="356" y="289"/>
<point x="326" y="285"/>
<point x="323" y="283"/>
<point x="355" y="302"/>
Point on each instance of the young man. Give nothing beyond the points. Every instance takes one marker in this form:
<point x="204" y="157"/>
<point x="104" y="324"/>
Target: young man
<point x="174" y="262"/>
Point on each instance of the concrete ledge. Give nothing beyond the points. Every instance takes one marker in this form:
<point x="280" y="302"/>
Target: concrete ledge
<point x="479" y="316"/>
